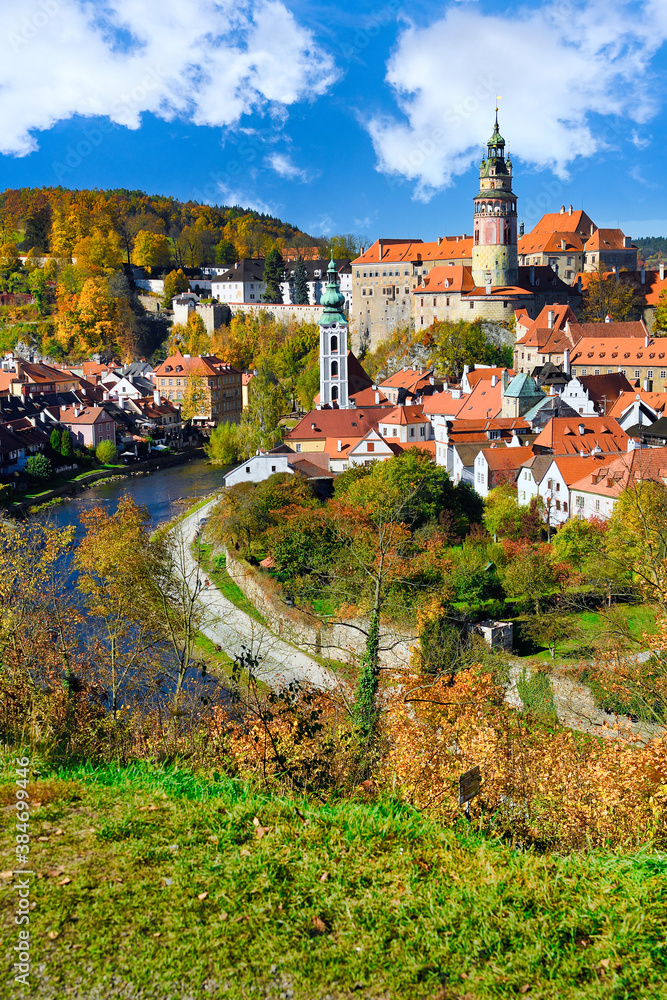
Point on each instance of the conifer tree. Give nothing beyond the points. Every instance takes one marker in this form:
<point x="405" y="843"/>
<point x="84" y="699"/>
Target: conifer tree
<point x="274" y="267"/>
<point x="301" y="296"/>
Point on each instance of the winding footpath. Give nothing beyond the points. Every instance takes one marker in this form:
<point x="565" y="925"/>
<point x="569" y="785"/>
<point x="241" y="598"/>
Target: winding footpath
<point x="232" y="629"/>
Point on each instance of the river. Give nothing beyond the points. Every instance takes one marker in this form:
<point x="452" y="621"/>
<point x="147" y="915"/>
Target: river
<point x="157" y="491"/>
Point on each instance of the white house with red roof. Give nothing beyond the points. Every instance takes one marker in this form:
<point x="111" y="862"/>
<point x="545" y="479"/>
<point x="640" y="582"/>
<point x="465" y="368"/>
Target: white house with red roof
<point x="494" y="466"/>
<point x="595" y="494"/>
<point x="406" y="425"/>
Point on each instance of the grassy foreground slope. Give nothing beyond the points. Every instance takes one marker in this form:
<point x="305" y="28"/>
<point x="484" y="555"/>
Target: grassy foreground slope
<point x="157" y="884"/>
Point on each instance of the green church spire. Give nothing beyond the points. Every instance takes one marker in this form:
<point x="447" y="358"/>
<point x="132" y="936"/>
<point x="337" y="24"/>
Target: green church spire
<point x="332" y="299"/>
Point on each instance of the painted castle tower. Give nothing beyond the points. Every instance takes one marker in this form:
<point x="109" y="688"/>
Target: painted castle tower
<point x="334" y="385"/>
<point x="494" y="252"/>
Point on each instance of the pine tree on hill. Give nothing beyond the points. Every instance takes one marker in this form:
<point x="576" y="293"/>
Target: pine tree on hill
<point x="301" y="296"/>
<point x="274" y="269"/>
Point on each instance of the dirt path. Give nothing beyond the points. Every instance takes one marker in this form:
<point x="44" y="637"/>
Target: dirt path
<point x="232" y="629"/>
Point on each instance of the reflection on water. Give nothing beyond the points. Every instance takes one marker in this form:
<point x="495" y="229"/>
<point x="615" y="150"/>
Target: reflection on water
<point x="158" y="491"/>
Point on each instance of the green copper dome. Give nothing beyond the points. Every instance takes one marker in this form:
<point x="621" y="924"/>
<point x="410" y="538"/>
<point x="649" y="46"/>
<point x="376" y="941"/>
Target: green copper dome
<point x="332" y="299"/>
<point x="496" y="140"/>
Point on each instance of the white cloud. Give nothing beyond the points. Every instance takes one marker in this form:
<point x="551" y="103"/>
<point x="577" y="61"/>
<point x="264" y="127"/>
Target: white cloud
<point x="236" y="196"/>
<point x="554" y="66"/>
<point x="208" y="61"/>
<point x="283" y="165"/>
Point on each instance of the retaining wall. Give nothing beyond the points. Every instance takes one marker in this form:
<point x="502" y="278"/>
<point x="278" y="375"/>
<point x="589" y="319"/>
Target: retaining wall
<point x="335" y="642"/>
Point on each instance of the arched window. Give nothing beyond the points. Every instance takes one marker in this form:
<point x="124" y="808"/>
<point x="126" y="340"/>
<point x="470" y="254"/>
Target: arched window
<point x="334" y="392"/>
<point x="334" y="342"/>
<point x="334" y="369"/>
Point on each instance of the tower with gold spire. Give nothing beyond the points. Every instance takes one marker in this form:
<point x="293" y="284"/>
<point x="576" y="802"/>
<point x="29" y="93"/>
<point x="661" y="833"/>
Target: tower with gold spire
<point x="494" y="252"/>
<point x="334" y="384"/>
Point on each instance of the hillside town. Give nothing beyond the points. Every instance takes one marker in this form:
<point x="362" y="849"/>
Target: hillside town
<point x="580" y="412"/>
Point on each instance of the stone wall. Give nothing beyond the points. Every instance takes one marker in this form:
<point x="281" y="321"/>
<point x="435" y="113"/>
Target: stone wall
<point x="336" y="642"/>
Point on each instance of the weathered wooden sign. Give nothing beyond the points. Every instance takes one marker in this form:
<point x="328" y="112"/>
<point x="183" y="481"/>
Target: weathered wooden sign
<point x="469" y="785"/>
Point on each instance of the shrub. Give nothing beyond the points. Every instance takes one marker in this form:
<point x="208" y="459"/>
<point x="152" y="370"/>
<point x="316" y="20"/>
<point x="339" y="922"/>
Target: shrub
<point x="39" y="467"/>
<point x="66" y="445"/>
<point x="106" y="452"/>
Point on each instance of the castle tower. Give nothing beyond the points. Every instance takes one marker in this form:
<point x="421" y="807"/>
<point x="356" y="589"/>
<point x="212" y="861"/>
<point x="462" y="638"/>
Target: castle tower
<point x="494" y="252"/>
<point x="334" y="387"/>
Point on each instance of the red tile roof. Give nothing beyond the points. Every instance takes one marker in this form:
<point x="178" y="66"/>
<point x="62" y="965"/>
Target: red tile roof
<point x="404" y="415"/>
<point x="616" y="352"/>
<point x="499" y="459"/>
<point x="607" y="239"/>
<point x="656" y="400"/>
<point x="320" y="424"/>
<point x="612" y="477"/>
<point x="571" y="436"/>
<point x="573" y="468"/>
<point x="415" y="251"/>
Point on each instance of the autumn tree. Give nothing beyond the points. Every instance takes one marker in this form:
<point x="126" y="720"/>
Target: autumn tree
<point x="152" y="250"/>
<point x="260" y="425"/>
<point x="660" y="314"/>
<point x="223" y="446"/>
<point x="114" y="578"/>
<point x="610" y="295"/>
<point x="637" y="538"/>
<point x="195" y="398"/>
<point x="174" y="283"/>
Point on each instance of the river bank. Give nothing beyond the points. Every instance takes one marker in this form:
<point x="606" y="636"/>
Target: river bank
<point x="75" y="487"/>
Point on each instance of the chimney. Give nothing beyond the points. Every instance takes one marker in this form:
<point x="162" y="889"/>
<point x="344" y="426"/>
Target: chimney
<point x="592" y="228"/>
<point x="563" y="244"/>
<point x="377" y="398"/>
<point x="380" y="249"/>
<point x="532" y="274"/>
<point x="570" y="211"/>
<point x="505" y="380"/>
<point x="642" y="274"/>
<point x="340" y="445"/>
<point x="662" y="270"/>
<point x="647" y="340"/>
<point x="566" y="361"/>
<point x="627" y="242"/>
<point x="494" y="380"/>
<point x="551" y="317"/>
<point x="156" y="397"/>
<point x="607" y="318"/>
<point x="105" y="395"/>
<point x="439" y="240"/>
<point x="562" y="209"/>
<point x="582" y="429"/>
<point x="312" y="427"/>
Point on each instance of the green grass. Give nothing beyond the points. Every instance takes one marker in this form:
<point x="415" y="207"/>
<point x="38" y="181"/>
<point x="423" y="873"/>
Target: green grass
<point x="349" y="899"/>
<point x="216" y="569"/>
<point x="640" y="619"/>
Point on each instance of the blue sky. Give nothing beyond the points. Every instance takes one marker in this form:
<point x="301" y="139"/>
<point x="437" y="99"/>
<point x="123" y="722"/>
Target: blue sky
<point x="341" y="117"/>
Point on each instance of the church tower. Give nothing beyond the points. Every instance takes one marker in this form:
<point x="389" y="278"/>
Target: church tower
<point x="334" y="386"/>
<point x="494" y="252"/>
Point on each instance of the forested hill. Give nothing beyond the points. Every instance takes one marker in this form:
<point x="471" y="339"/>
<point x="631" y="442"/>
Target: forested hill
<point x="652" y="249"/>
<point x="54" y="220"/>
